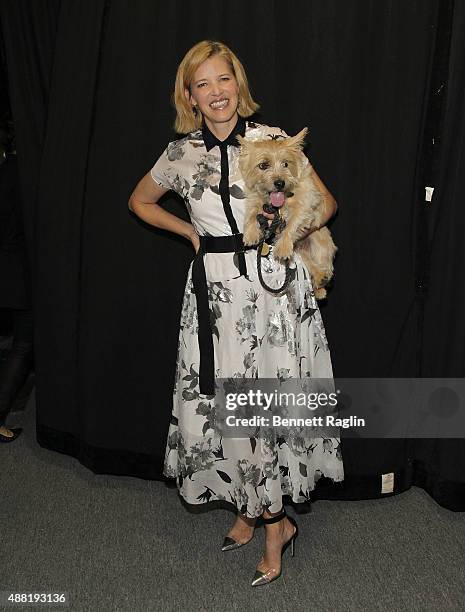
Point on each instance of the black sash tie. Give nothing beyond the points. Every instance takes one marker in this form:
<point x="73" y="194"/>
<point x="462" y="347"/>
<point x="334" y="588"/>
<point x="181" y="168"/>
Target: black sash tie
<point x="210" y="244"/>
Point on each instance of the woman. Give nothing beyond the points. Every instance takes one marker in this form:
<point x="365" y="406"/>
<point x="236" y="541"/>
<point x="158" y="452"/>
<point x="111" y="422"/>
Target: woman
<point x="230" y="326"/>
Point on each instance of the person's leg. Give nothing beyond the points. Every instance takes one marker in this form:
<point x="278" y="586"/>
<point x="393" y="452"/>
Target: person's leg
<point x="276" y="536"/>
<point x="242" y="530"/>
<point x="15" y="369"/>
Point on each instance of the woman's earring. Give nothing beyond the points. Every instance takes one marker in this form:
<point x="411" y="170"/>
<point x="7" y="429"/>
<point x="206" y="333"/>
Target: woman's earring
<point x="194" y="110"/>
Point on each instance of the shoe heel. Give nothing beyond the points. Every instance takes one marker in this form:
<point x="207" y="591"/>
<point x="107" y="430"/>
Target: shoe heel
<point x="294" y="537"/>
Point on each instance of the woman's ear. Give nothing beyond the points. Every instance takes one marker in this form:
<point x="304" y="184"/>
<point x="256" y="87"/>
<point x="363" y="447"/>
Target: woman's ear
<point x="187" y="93"/>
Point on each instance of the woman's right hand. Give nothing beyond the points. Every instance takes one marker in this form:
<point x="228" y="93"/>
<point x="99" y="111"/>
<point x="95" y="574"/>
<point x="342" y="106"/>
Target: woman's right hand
<point x="194" y="238"/>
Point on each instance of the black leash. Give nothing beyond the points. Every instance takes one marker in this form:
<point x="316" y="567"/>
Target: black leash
<point x="268" y="232"/>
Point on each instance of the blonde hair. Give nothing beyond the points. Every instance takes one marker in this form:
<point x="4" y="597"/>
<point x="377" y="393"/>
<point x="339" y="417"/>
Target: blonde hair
<point x="186" y="121"/>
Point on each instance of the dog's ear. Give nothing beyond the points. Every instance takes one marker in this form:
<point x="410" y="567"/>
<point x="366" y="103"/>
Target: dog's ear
<point x="298" y="139"/>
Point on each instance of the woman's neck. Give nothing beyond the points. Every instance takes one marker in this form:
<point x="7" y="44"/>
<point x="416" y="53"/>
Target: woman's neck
<point x="222" y="129"/>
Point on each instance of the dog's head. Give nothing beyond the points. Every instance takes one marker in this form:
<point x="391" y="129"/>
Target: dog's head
<point x="271" y="168"/>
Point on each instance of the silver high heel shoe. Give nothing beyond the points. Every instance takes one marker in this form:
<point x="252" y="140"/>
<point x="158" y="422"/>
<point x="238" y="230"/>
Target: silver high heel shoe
<point x="231" y="544"/>
<point x="267" y="577"/>
<point x="6" y="439"/>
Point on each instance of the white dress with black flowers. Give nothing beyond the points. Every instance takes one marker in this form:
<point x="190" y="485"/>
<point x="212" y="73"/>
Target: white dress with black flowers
<point x="256" y="335"/>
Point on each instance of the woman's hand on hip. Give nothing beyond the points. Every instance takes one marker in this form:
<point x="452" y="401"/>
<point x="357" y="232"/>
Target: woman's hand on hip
<point x="194" y="238"/>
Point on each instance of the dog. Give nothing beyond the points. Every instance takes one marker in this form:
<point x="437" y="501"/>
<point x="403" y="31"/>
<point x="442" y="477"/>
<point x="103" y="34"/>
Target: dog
<point x="274" y="172"/>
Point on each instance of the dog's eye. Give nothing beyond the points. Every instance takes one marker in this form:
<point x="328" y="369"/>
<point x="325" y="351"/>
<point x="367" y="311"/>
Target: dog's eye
<point x="285" y="164"/>
<point x="263" y="165"/>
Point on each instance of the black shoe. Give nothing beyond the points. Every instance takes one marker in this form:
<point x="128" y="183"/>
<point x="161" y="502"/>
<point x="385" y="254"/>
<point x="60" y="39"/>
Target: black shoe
<point x="16" y="432"/>
<point x="267" y="577"/>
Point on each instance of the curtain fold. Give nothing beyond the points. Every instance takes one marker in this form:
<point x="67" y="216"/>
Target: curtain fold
<point x="29" y="32"/>
<point x="439" y="463"/>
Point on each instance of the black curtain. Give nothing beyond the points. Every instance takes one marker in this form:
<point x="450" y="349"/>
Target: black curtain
<point x="438" y="464"/>
<point x="96" y="77"/>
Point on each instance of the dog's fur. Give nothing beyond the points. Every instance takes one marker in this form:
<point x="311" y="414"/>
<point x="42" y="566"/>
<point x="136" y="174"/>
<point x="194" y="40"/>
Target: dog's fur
<point x="262" y="163"/>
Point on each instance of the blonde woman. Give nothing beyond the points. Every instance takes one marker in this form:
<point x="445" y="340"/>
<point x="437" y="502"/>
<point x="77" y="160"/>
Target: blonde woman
<point x="230" y="326"/>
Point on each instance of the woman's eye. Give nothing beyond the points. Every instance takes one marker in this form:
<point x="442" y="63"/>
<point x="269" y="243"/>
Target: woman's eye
<point x="225" y="78"/>
<point x="201" y="84"/>
<point x="263" y="165"/>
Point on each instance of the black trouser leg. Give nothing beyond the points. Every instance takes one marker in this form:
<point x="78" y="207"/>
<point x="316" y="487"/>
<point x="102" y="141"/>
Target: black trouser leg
<point x="15" y="369"/>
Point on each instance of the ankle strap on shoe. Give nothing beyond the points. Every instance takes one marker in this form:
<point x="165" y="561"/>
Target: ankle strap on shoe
<point x="275" y="519"/>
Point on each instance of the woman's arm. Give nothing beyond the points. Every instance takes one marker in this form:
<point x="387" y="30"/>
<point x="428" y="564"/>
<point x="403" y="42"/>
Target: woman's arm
<point x="330" y="202"/>
<point x="330" y="206"/>
<point x="143" y="203"/>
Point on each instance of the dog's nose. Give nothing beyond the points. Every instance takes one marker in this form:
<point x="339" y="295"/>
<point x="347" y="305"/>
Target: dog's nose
<point x="279" y="184"/>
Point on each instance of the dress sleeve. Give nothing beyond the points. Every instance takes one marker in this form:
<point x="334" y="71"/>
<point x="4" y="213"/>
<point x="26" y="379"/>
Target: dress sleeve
<point x="163" y="172"/>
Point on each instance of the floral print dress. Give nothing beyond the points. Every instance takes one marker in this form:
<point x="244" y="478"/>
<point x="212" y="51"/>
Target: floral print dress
<point x="256" y="334"/>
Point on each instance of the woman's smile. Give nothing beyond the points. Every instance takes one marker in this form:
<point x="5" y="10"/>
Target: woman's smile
<point x="219" y="105"/>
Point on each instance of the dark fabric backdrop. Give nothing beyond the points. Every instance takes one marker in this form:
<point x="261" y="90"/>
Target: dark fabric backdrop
<point x="90" y="86"/>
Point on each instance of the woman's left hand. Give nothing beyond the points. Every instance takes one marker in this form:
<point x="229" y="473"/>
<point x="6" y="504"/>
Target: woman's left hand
<point x="303" y="232"/>
<point x="270" y="217"/>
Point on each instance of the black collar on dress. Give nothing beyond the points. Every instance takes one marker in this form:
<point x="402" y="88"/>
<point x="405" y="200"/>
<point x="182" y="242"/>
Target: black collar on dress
<point x="211" y="140"/>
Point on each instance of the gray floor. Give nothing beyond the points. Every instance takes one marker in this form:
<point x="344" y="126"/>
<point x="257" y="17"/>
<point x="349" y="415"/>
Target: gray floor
<point x="118" y="543"/>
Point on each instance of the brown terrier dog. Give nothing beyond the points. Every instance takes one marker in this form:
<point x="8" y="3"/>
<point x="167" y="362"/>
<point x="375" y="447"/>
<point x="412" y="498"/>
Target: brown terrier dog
<point x="275" y="171"/>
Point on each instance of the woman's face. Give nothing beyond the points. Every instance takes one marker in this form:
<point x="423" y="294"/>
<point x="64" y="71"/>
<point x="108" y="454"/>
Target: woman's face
<point x="214" y="90"/>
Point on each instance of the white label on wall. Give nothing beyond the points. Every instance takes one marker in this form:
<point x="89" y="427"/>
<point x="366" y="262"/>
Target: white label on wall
<point x="387" y="482"/>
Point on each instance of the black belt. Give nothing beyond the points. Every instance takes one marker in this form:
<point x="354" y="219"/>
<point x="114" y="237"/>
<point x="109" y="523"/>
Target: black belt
<point x="211" y="244"/>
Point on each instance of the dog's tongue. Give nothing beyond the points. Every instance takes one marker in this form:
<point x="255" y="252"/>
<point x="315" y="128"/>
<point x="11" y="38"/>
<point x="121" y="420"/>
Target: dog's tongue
<point x="277" y="198"/>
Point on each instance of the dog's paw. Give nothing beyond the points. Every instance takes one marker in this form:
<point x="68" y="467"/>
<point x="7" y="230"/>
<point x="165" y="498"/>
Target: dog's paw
<point x="320" y="293"/>
<point x="252" y="235"/>
<point x="283" y="248"/>
<point x="325" y="279"/>
<point x="321" y="279"/>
